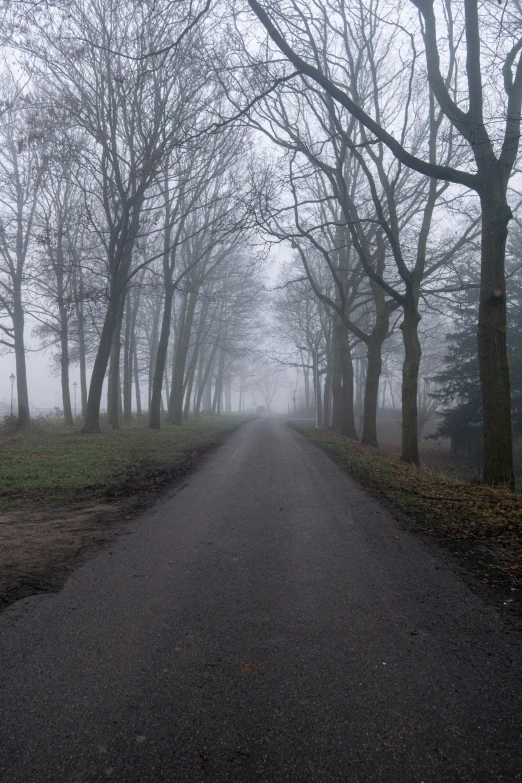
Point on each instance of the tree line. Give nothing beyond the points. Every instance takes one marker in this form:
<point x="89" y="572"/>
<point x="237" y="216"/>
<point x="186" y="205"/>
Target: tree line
<point x="149" y="146"/>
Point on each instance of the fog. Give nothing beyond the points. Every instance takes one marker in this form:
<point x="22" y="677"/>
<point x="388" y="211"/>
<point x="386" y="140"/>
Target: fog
<point x="203" y="221"/>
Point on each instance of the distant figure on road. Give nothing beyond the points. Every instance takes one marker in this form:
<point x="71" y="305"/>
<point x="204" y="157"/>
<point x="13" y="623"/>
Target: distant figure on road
<point x="260" y="409"/>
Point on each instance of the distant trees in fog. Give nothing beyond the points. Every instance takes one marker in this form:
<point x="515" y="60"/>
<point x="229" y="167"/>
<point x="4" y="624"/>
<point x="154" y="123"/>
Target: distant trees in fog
<point x="149" y="148"/>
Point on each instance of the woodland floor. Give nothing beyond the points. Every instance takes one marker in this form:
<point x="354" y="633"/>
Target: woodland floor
<point x="481" y="527"/>
<point x="64" y="495"/>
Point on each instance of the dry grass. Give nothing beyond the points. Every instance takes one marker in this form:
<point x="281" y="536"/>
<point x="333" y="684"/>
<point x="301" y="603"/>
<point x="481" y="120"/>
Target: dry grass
<point x="482" y="524"/>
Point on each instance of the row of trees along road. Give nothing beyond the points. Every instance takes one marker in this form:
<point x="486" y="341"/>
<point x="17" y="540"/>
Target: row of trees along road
<point x="125" y="220"/>
<point x="146" y="144"/>
<point x="437" y="87"/>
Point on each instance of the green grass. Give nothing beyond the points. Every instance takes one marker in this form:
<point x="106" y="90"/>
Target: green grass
<point x="51" y="461"/>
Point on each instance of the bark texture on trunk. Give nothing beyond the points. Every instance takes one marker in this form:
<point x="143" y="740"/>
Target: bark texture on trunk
<point x="492" y="348"/>
<point x="114" y="388"/>
<point x="371" y="392"/>
<point x="410" y="378"/>
<point x="92" y="413"/>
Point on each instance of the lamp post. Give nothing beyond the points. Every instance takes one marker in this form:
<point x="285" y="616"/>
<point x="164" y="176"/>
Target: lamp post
<point x="316" y="374"/>
<point x="12" y="378"/>
<point x="75" y="386"/>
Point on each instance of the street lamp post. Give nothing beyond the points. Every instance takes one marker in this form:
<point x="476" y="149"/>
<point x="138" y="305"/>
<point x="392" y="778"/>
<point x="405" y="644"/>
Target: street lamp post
<point x="12" y="378"/>
<point x="316" y="374"/>
<point x="75" y="385"/>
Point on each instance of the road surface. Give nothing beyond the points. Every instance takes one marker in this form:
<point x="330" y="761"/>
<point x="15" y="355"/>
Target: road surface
<point x="267" y="622"/>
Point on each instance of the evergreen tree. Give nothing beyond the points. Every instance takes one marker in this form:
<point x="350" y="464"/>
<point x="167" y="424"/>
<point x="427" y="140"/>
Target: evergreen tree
<point x="459" y="381"/>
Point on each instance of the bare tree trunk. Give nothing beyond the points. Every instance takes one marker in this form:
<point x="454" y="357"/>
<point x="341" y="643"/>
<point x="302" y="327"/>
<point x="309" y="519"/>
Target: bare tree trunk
<point x="189" y="383"/>
<point x="64" y="369"/>
<point x="24" y="416"/>
<point x="218" y="391"/>
<point x="161" y="358"/>
<point x="492" y="350"/>
<point x="201" y="364"/>
<point x="337" y="376"/>
<point x="193" y="363"/>
<point x="228" y="399"/>
<point x="111" y="325"/>
<point x="371" y="392"/>
<point x="133" y="305"/>
<point x="410" y="380"/>
<point x="80" y="321"/>
<point x="204" y="394"/>
<point x="317" y="392"/>
<point x="180" y="359"/>
<point x="374" y="365"/>
<point x="114" y="389"/>
<point x="327" y="401"/>
<point x="346" y="364"/>
<point x="137" y="380"/>
<point x="127" y="361"/>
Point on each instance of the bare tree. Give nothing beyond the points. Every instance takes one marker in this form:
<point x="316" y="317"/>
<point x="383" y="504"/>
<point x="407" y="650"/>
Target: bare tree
<point x="22" y="166"/>
<point x="296" y="38"/>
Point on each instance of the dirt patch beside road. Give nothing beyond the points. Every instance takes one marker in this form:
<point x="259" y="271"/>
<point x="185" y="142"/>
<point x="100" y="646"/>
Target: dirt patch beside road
<point x="47" y="532"/>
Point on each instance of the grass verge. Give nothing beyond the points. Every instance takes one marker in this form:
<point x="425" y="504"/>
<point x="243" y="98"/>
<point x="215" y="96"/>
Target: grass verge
<point x="481" y="525"/>
<point x="63" y="495"/>
<point x="51" y="463"/>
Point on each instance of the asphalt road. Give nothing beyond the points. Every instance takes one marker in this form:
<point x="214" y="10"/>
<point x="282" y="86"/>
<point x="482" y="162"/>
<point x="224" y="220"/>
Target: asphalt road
<point x="267" y="622"/>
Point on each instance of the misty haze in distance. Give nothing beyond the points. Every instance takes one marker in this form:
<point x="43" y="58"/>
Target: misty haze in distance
<point x="260" y="391"/>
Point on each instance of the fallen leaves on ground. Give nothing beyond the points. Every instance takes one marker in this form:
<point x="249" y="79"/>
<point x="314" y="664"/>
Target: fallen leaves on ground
<point x="485" y="521"/>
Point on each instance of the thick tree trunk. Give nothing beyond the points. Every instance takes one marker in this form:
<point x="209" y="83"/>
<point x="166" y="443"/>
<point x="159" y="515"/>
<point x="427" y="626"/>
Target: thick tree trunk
<point x="343" y="418"/>
<point x="337" y="378"/>
<point x="114" y="388"/>
<point x="371" y="392"/>
<point x="92" y="412"/>
<point x="492" y="349"/>
<point x="161" y="360"/>
<point x="373" y="372"/>
<point x="410" y="380"/>
<point x="348" y="418"/>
